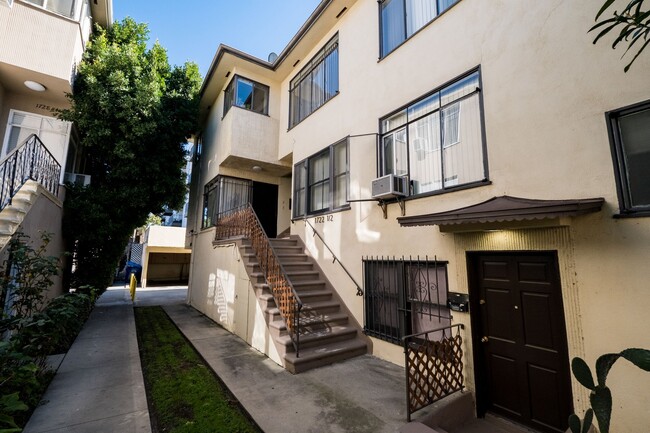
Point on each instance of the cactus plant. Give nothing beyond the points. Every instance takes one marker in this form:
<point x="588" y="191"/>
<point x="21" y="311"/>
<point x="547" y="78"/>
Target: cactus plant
<point x="601" y="396"/>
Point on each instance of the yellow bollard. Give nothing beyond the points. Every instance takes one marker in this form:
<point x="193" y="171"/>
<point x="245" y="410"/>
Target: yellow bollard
<point x="132" y="285"/>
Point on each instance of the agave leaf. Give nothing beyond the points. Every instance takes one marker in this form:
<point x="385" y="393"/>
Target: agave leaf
<point x="601" y="402"/>
<point x="603" y="365"/>
<point x="582" y="373"/>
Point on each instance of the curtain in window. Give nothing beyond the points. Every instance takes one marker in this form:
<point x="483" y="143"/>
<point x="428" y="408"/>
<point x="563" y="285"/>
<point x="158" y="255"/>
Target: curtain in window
<point x="317" y="86"/>
<point x="233" y="194"/>
<point x="319" y="187"/>
<point x="424" y="156"/>
<point x="300" y="187"/>
<point x="63" y="7"/>
<point x="463" y="162"/>
<point x="393" y="31"/>
<point x="260" y="98"/>
<point x="332" y="74"/>
<point x="418" y="14"/>
<point x="450" y="124"/>
<point x="443" y="5"/>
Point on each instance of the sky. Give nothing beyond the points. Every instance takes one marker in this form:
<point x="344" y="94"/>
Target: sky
<point x="193" y="29"/>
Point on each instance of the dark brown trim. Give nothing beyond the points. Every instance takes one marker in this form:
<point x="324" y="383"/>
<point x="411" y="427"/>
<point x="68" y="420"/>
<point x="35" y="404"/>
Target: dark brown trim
<point x="224" y="49"/>
<point x="506" y="208"/>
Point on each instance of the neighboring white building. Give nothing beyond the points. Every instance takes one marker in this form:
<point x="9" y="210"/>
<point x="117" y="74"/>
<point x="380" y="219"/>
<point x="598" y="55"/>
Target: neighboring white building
<point x="41" y="44"/>
<point x="485" y="153"/>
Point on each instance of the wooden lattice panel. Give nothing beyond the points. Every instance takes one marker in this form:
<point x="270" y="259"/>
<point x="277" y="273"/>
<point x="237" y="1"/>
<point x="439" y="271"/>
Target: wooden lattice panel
<point x="434" y="370"/>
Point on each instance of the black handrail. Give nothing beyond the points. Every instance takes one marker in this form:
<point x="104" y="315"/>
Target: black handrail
<point x="336" y="259"/>
<point x="31" y="160"/>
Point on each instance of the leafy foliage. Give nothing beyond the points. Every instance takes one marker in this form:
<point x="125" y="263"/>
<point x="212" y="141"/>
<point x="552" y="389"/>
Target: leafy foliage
<point x="134" y="113"/>
<point x="33" y="329"/>
<point x="601" y="396"/>
<point x="633" y="24"/>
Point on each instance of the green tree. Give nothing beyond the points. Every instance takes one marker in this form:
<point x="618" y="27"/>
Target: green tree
<point x="134" y="113"/>
<point x="632" y="24"/>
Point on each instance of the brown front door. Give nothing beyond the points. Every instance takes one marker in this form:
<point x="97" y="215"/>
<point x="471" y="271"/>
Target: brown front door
<point x="520" y="339"/>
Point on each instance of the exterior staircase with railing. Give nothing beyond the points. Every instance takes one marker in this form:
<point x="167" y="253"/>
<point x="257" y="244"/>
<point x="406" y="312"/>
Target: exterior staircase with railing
<point x="322" y="332"/>
<point x="25" y="173"/>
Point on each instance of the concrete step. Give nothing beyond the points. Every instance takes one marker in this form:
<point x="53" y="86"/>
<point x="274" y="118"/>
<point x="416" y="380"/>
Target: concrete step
<point x="292" y="258"/>
<point x="319" y="356"/>
<point x="313" y="323"/>
<point x="303" y="286"/>
<point x="298" y="266"/>
<point x="307" y="275"/>
<point x="282" y="250"/>
<point x="321" y="337"/>
<point x="288" y="242"/>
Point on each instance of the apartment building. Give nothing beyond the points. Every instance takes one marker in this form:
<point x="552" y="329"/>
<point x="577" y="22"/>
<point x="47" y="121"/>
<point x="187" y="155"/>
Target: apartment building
<point x="475" y="168"/>
<point x="41" y="43"/>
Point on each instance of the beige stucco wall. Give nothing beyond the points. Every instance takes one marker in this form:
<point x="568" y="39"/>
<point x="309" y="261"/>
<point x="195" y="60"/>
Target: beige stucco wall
<point x="222" y="291"/>
<point x="51" y="47"/>
<point x="545" y="91"/>
<point x="45" y="215"/>
<point x="164" y="236"/>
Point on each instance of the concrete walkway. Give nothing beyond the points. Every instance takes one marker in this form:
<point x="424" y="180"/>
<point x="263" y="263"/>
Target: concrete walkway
<point x="99" y="385"/>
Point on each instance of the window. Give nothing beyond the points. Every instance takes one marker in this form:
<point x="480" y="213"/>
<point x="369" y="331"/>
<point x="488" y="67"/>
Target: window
<point x="223" y="195"/>
<point x="53" y="133"/>
<point x="321" y="181"/>
<point x="246" y="94"/>
<point x="404" y="297"/>
<point x="315" y="84"/>
<point x="67" y="8"/>
<point x="400" y="19"/>
<point x="630" y="139"/>
<point x="437" y="141"/>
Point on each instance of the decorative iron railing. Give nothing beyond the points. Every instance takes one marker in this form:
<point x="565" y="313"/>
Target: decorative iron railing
<point x="30" y="160"/>
<point x="336" y="259"/>
<point x="244" y="222"/>
<point x="434" y="366"/>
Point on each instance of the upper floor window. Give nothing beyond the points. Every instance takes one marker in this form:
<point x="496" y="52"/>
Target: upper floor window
<point x="321" y="181"/>
<point x="315" y="84"/>
<point x="400" y="19"/>
<point x="630" y="139"/>
<point x="437" y="140"/>
<point x="67" y="8"/>
<point x="247" y="94"/>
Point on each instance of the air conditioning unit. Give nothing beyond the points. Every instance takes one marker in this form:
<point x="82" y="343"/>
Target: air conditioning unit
<point x="390" y="186"/>
<point x="78" y="179"/>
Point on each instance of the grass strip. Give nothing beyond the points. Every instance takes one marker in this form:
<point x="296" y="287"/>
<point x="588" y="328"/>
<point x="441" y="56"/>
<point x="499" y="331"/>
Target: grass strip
<point x="184" y="394"/>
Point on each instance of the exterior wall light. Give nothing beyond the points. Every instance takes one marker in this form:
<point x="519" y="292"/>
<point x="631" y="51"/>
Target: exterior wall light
<point x="33" y="85"/>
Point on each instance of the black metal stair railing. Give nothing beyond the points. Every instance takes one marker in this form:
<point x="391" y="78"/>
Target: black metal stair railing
<point x="243" y="221"/>
<point x="30" y="160"/>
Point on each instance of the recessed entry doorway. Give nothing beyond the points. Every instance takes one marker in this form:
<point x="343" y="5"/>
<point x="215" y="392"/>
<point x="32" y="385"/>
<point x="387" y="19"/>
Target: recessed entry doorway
<point x="519" y="338"/>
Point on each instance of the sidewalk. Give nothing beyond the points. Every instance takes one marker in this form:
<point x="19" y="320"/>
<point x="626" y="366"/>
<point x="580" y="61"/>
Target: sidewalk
<point x="98" y="386"/>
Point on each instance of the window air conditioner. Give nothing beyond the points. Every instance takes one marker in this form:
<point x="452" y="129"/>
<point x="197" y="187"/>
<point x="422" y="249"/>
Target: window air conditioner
<point x="78" y="179"/>
<point x="390" y="186"/>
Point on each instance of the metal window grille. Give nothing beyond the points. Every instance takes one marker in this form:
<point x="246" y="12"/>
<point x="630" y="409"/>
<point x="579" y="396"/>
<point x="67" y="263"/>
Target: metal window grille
<point x="404" y="296"/>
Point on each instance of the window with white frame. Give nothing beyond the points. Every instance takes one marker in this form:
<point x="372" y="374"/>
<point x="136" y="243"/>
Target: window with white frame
<point x="54" y="133"/>
<point x="67" y="8"/>
<point x="321" y="181"/>
<point x="630" y="140"/>
<point x="315" y="84"/>
<point x="248" y="94"/>
<point x="437" y="140"/>
<point x="400" y="19"/>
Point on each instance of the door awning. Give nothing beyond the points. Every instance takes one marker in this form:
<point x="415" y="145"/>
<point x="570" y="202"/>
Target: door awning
<point x="505" y="209"/>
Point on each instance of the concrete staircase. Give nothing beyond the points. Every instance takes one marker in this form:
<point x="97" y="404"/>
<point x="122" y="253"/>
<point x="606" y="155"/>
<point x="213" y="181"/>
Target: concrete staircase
<point x="13" y="214"/>
<point x="327" y="334"/>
